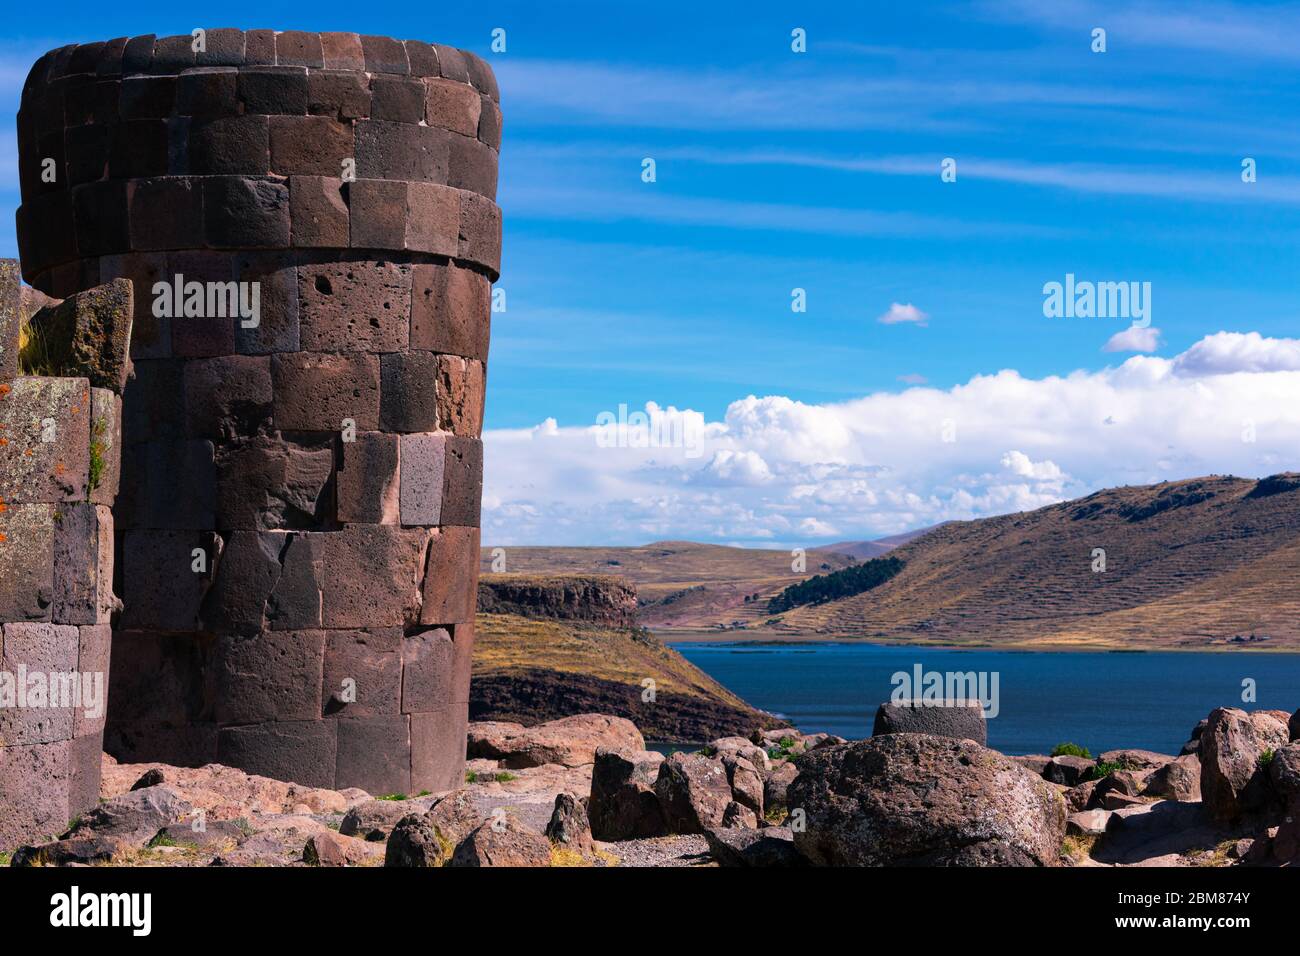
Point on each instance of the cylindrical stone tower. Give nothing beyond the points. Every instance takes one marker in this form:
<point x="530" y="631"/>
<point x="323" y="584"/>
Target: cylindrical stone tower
<point x="309" y="221"/>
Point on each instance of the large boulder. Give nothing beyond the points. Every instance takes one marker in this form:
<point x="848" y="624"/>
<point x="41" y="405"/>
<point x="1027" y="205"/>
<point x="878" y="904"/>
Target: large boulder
<point x="87" y="335"/>
<point x="772" y="846"/>
<point x="502" y="841"/>
<point x="1284" y="774"/>
<point x="963" y="720"/>
<point x="694" y="792"/>
<point x="1234" y="777"/>
<point x="740" y="747"/>
<point x="1180" y="779"/>
<point x="1133" y="759"/>
<point x="569" y="741"/>
<point x="1193" y="745"/>
<point x="918" y="799"/>
<point x="1068" y="770"/>
<point x="775" y="784"/>
<point x="623" y="804"/>
<point x="1293" y="726"/>
<point x="430" y="839"/>
<point x="569" y="827"/>
<point x="746" y="783"/>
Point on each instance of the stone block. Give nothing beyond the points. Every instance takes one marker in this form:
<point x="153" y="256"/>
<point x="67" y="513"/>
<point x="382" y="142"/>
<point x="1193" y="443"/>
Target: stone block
<point x="242" y="213"/>
<point x="316" y="391"/>
<point x="277" y="284"/>
<point x="408" y="392"/>
<point x="368" y="479"/>
<point x="259" y="48"/>
<point x="460" y="393"/>
<point x="302" y="752"/>
<point x="453" y="106"/>
<point x="361" y="306"/>
<point x="34" y="788"/>
<point x="423" y="479"/>
<point x="172" y="54"/>
<point x="428" y="670"/>
<point x="150" y="408"/>
<point x="85" y="760"/>
<point x="309" y="145"/>
<point x="480" y="232"/>
<point x="224" y="47"/>
<point x="273" y="90"/>
<point x="432" y="219"/>
<point x="165" y="213"/>
<point x="489" y="124"/>
<point x="207" y="92"/>
<point x="44" y="440"/>
<point x="230" y="146"/>
<point x="451" y="579"/>
<point x="247" y="572"/>
<point x="151" y="336"/>
<point x="139" y="148"/>
<point x="158" y="679"/>
<point x="162" y="588"/>
<point x="105" y="445"/>
<point x="296" y="600"/>
<point x="86" y="152"/>
<point x="378" y="211"/>
<point x="168" y="485"/>
<point x="452" y="63"/>
<point x="342" y="51"/>
<point x="344" y="96"/>
<point x="450" y="310"/>
<point x="44" y="657"/>
<point x="374" y="753"/>
<point x="192" y="745"/>
<point x="318" y="212"/>
<point x="299" y="48"/>
<point x="397" y="99"/>
<point x="438" y="749"/>
<point x="137" y="54"/>
<point x="27" y="555"/>
<point x="88" y="334"/>
<point x="472" y="165"/>
<point x="227" y="397"/>
<point x="94" y="650"/>
<point x="146" y="97"/>
<point x="11" y="317"/>
<point x="462" y="491"/>
<point x="371" y="576"/>
<point x="77" y="540"/>
<point x="363" y="673"/>
<point x="401" y="151"/>
<point x="264" y="484"/>
<point x="384" y="55"/>
<point x="480" y="75"/>
<point x="422" y="58"/>
<point x="269" y="676"/>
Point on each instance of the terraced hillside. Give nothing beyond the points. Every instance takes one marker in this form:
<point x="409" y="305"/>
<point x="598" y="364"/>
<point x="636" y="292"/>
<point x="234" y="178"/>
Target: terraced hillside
<point x="682" y="584"/>
<point x="1194" y="563"/>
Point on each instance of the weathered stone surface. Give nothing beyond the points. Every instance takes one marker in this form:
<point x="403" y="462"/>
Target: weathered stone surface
<point x="1234" y="783"/>
<point x="569" y="827"/>
<point x="33" y="792"/>
<point x="693" y="791"/>
<point x="424" y="479"/>
<point x="77" y="541"/>
<point x="162" y="587"/>
<point x="318" y="212"/>
<point x="227" y="397"/>
<point x="428" y="668"/>
<point x="432" y="219"/>
<point x="776" y="785"/>
<point x="570" y="741"/>
<point x="318" y="392"/>
<point x="271" y="675"/>
<point x="371" y="576"/>
<point x="408" y="392"/>
<point x="45" y="713"/>
<point x="1067" y="770"/>
<point x="924" y="800"/>
<point x="450" y="310"/>
<point x="94" y="644"/>
<point x="769" y="847"/>
<point x="462" y="489"/>
<point x="355" y="307"/>
<point x="1284" y="774"/>
<point x="431" y="838"/>
<point x="961" y="719"/>
<point x="27" y="554"/>
<point x="44" y="440"/>
<point x="299" y="751"/>
<point x="1087" y="822"/>
<point x="438" y="748"/>
<point x="374" y="820"/>
<point x="374" y="753"/>
<point x="502" y="841"/>
<point x="266" y="485"/>
<point x="369" y="480"/>
<point x="105" y="446"/>
<point x="460" y="395"/>
<point x="746" y="782"/>
<point x="1179" y="779"/>
<point x="330" y="849"/>
<point x="11" y="316"/>
<point x="453" y="106"/>
<point x="363" y="673"/>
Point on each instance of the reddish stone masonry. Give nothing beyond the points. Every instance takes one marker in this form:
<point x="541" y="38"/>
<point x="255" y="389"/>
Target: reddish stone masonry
<point x="297" y="528"/>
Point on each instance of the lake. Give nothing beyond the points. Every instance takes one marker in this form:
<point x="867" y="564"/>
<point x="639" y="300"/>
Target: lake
<point x="1102" y="701"/>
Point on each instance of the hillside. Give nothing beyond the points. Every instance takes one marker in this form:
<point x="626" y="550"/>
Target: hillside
<point x="1194" y="563"/>
<point x="682" y="584"/>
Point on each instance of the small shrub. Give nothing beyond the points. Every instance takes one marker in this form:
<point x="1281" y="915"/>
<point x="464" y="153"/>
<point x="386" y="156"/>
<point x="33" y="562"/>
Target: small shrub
<point x="1071" y="750"/>
<point x="392" y="796"/>
<point x="1266" y="758"/>
<point x="97" y="449"/>
<point x="1104" y="769"/>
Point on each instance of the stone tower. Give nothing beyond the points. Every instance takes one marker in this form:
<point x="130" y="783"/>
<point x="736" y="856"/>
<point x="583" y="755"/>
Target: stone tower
<point x="310" y="226"/>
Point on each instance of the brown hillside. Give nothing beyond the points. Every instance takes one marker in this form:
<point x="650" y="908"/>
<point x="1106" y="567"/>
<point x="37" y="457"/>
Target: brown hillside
<point x="1189" y="563"/>
<point x="682" y="584"/>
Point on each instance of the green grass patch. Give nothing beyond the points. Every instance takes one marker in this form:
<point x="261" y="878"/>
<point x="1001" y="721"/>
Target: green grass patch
<point x="1071" y="750"/>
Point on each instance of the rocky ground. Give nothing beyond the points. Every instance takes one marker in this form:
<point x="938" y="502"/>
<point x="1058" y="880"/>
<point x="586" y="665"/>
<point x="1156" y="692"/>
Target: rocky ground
<point x="584" y="791"/>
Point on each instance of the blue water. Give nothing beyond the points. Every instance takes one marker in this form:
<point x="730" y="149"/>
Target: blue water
<point x="1099" y="700"/>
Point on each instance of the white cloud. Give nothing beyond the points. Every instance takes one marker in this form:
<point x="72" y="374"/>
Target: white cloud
<point x="904" y="313"/>
<point x="1133" y="339"/>
<point x="778" y="471"/>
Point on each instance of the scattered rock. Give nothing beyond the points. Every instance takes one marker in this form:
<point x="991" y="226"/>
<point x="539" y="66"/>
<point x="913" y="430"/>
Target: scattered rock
<point x="1068" y="770"/>
<point x="1133" y="759"/>
<point x="775" y="785"/>
<point x="374" y="820"/>
<point x="569" y="826"/>
<point x="1180" y="779"/>
<point x="135" y="817"/>
<point x="1080" y="796"/>
<point x="1034" y="763"/>
<point x="963" y="720"/>
<point x="771" y="846"/>
<point x="693" y="791"/>
<point x="331" y="849"/>
<point x="746" y="783"/>
<point x="1284" y="774"/>
<point x="1193" y="745"/>
<point x="623" y="804"/>
<point x="502" y="841"/>
<point x="1233" y="781"/>
<point x="739" y="816"/>
<point x="1087" y="822"/>
<point x="150" y="778"/>
<point x="740" y="747"/>
<point x="924" y="800"/>
<point x="569" y="741"/>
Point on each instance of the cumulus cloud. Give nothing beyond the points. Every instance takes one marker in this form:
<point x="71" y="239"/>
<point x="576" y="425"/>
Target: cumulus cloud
<point x="780" y="472"/>
<point x="1133" y="339"/>
<point x="904" y="313"/>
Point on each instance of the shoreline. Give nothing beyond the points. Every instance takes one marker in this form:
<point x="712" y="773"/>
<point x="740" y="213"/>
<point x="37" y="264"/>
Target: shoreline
<point x="672" y="636"/>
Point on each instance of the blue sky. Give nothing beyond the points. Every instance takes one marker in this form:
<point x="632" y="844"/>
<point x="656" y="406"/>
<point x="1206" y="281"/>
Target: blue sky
<point x="820" y="170"/>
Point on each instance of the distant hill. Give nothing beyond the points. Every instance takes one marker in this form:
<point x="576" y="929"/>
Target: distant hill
<point x="681" y="584"/>
<point x="1194" y="563"/>
<point x="877" y="547"/>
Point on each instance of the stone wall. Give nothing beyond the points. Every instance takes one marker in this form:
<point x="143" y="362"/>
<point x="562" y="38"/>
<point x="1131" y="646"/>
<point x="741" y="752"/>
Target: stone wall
<point x="59" y="437"/>
<point x="298" y="527"/>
